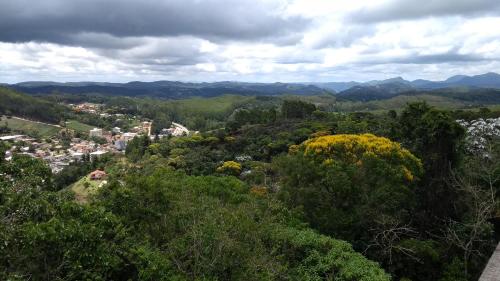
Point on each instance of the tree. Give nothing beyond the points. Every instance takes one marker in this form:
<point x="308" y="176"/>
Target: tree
<point x="137" y="147"/>
<point x="435" y="138"/>
<point x="347" y="184"/>
<point x="24" y="170"/>
<point x="230" y="168"/>
<point x="214" y="229"/>
<point x="297" y="109"/>
<point x="477" y="183"/>
<point x="3" y="150"/>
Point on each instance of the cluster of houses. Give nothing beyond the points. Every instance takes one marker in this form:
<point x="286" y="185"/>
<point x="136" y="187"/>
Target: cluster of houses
<point x="93" y="108"/>
<point x="87" y="107"/>
<point x="52" y="151"/>
<point x="100" y="142"/>
<point x="59" y="156"/>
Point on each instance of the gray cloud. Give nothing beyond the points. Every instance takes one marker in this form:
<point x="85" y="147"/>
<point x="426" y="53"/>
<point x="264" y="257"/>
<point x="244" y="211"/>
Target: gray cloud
<point x="440" y="58"/>
<point x="253" y="40"/>
<point x="452" y="56"/>
<point x="411" y="9"/>
<point x="346" y="36"/>
<point x="299" y="58"/>
<point x="71" y="22"/>
<point x="101" y="41"/>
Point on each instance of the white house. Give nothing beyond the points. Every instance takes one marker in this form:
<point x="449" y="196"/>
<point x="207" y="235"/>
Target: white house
<point x="128" y="136"/>
<point x="96" y="132"/>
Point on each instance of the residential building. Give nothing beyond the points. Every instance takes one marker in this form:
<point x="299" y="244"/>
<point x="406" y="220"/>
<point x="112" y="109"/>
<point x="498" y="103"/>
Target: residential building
<point x="96" y="132"/>
<point x="97" y="175"/>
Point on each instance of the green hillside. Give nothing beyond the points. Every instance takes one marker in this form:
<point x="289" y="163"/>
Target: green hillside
<point x="30" y="127"/>
<point x="21" y="105"/>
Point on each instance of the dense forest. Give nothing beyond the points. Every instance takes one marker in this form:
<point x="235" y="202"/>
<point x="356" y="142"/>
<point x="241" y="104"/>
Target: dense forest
<point x="21" y="105"/>
<point x="272" y="188"/>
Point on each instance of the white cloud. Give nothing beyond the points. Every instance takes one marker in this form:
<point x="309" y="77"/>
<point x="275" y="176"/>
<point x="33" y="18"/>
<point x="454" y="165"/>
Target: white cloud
<point x="332" y="44"/>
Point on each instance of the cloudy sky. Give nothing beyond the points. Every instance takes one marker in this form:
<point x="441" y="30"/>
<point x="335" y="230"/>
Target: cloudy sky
<point x="247" y="40"/>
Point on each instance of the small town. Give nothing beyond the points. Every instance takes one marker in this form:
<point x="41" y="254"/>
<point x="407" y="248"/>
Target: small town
<point x="94" y="144"/>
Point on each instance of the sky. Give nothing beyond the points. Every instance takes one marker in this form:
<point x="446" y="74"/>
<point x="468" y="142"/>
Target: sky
<point x="247" y="40"/>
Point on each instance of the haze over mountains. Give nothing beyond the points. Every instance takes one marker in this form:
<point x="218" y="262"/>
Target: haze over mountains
<point x="371" y="90"/>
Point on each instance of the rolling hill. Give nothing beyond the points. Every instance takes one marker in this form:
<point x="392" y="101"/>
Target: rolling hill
<point x="169" y="89"/>
<point x="487" y="80"/>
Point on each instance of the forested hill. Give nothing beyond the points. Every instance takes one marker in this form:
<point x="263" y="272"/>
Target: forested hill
<point x="169" y="89"/>
<point x="487" y="80"/>
<point x="21" y="105"/>
<point x="469" y="95"/>
<point x="479" y="89"/>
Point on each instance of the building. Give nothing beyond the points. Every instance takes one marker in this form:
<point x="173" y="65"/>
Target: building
<point x="175" y="130"/>
<point x="116" y="130"/>
<point x="97" y="175"/>
<point x="120" y="145"/>
<point x="128" y="136"/>
<point x="146" y="127"/>
<point x="77" y="155"/>
<point x="96" y="132"/>
<point x="97" y="154"/>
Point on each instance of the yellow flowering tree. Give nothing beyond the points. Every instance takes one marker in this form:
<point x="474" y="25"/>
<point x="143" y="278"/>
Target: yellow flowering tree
<point x="230" y="168"/>
<point x="349" y="185"/>
<point x="360" y="150"/>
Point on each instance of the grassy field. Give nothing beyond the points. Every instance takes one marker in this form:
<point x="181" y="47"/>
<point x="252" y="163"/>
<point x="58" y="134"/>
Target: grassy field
<point x="41" y="129"/>
<point x="84" y="188"/>
<point x="30" y="127"/>
<point x="212" y="105"/>
<point x="399" y="102"/>
<point x="78" y="126"/>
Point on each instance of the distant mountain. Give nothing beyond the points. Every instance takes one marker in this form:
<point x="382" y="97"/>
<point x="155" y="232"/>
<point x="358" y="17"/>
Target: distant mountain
<point x="455" y="78"/>
<point x="376" y="91"/>
<point x="395" y="80"/>
<point x="483" y="89"/>
<point x="169" y="89"/>
<point x="371" y="90"/>
<point x="465" y="94"/>
<point x="342" y="86"/>
<point x="488" y="80"/>
<point x="336" y="86"/>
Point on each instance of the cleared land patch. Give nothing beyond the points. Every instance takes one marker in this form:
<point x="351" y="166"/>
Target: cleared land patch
<point x="30" y="127"/>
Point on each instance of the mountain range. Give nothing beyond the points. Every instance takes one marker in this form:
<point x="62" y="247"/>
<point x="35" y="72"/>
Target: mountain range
<point x="359" y="91"/>
<point x="169" y="89"/>
<point x="487" y="80"/>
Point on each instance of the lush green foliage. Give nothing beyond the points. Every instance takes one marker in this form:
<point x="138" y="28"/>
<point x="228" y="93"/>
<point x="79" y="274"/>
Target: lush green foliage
<point x="297" y="109"/>
<point x="16" y="104"/>
<point x="162" y="225"/>
<point x="137" y="147"/>
<point x="350" y="185"/>
<point x="262" y="193"/>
